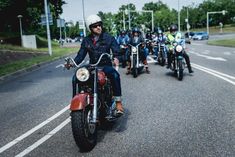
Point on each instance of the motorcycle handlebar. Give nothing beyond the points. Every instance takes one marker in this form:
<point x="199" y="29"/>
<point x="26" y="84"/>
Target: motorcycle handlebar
<point x="104" y="54"/>
<point x="68" y="59"/>
<point x="136" y="45"/>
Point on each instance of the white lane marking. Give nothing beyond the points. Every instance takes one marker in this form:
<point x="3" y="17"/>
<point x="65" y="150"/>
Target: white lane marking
<point x="60" y="65"/>
<point x="18" y="139"/>
<point x="43" y="139"/>
<point x="151" y="60"/>
<point x="206" y="52"/>
<point x="213" y="73"/>
<point x="227" y="53"/>
<point x="209" y="57"/>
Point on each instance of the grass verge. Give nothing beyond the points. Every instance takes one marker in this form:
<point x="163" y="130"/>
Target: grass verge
<point x="225" y="42"/>
<point x="216" y="29"/>
<point x="14" y="66"/>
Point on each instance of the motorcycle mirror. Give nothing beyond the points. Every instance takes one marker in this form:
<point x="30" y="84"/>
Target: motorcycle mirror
<point x="66" y="59"/>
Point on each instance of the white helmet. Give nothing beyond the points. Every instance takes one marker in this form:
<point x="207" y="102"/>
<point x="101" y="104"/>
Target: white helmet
<point x="92" y="19"/>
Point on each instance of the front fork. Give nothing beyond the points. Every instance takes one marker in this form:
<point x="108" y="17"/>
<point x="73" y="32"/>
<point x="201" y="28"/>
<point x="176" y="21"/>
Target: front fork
<point x="95" y="99"/>
<point x="137" y="59"/>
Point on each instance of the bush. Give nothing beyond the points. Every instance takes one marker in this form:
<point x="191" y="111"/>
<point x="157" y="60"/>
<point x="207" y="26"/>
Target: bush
<point x="42" y="42"/>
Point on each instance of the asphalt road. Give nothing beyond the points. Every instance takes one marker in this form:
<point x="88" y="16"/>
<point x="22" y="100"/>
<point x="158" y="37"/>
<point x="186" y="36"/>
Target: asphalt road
<point x="163" y="116"/>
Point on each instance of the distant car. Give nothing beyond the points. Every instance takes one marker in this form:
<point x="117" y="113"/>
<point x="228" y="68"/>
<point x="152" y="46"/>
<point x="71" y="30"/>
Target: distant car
<point x="187" y="40"/>
<point x="189" y="35"/>
<point x="201" y="36"/>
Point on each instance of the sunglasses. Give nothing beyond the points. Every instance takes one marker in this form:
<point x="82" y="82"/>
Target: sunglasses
<point x="96" y="25"/>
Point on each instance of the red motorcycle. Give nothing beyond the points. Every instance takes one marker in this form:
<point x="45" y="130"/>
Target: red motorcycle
<point x="93" y="104"/>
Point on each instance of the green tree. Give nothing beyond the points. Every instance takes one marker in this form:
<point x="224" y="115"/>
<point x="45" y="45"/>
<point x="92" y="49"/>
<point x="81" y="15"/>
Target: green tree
<point x="31" y="11"/>
<point x="163" y="16"/>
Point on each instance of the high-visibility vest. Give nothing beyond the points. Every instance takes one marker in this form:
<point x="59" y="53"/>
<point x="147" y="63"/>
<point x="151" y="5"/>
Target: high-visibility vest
<point x="170" y="37"/>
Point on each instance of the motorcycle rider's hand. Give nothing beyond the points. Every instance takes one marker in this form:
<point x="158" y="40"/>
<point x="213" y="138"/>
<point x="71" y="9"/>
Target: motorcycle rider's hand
<point x="68" y="66"/>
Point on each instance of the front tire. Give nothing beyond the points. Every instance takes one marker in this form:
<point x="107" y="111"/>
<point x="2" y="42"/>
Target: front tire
<point x="135" y="72"/>
<point x="180" y="72"/>
<point x="134" y="69"/>
<point x="161" y="59"/>
<point x="84" y="136"/>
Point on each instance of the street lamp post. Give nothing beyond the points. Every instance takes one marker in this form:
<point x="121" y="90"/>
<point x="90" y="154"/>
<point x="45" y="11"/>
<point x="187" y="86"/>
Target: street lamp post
<point x="21" y="32"/>
<point x="124" y="25"/>
<point x="65" y="33"/>
<point x="213" y="12"/>
<point x="150" y="11"/>
<point x="83" y="15"/>
<point x="178" y="15"/>
<point x="129" y="17"/>
<point x="48" y="28"/>
<point x="187" y="22"/>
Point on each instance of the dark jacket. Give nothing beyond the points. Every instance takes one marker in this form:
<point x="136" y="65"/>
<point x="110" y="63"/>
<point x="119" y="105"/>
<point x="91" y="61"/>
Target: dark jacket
<point x="104" y="44"/>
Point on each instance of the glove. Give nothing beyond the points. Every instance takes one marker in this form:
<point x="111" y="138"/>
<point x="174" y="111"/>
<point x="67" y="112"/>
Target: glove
<point x="68" y="66"/>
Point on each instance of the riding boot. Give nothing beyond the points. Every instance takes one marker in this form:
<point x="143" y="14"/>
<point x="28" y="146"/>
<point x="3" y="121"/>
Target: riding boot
<point x="190" y="69"/>
<point x="120" y="110"/>
<point x="128" y="68"/>
<point x="168" y="60"/>
<point x="188" y="63"/>
<point x="146" y="66"/>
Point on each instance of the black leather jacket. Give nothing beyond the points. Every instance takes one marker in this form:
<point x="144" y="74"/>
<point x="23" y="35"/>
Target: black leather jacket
<point x="104" y="44"/>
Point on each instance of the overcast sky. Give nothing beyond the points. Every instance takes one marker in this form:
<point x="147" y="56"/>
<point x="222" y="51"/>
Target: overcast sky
<point x="73" y="9"/>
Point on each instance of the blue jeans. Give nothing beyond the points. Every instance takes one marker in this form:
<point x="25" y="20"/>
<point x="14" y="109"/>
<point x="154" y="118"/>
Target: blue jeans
<point x="156" y="51"/>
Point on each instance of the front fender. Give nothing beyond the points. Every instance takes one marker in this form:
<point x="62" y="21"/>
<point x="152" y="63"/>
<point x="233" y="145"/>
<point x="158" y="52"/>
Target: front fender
<point x="80" y="101"/>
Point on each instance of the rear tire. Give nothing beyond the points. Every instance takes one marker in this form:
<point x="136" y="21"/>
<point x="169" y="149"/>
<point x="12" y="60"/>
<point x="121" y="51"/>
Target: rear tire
<point x="84" y="137"/>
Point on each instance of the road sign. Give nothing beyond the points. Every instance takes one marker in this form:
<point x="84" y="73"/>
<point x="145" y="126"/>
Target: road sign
<point x="60" y="22"/>
<point x="81" y="24"/>
<point x="44" y="21"/>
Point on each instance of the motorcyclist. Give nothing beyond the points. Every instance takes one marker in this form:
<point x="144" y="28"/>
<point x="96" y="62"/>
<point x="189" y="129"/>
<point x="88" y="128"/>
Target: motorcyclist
<point x="149" y="37"/>
<point x="123" y="40"/>
<point x="135" y="39"/>
<point x="160" y="38"/>
<point x="172" y="37"/>
<point x="95" y="44"/>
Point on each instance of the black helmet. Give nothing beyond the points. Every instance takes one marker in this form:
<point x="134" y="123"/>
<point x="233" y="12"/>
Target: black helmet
<point x="156" y="29"/>
<point x="136" y="30"/>
<point x="173" y="28"/>
<point x="123" y="32"/>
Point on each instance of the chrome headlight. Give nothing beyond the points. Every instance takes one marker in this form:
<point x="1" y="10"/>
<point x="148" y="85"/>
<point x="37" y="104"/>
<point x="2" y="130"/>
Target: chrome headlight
<point x="134" y="49"/>
<point x="179" y="48"/>
<point x="82" y="74"/>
